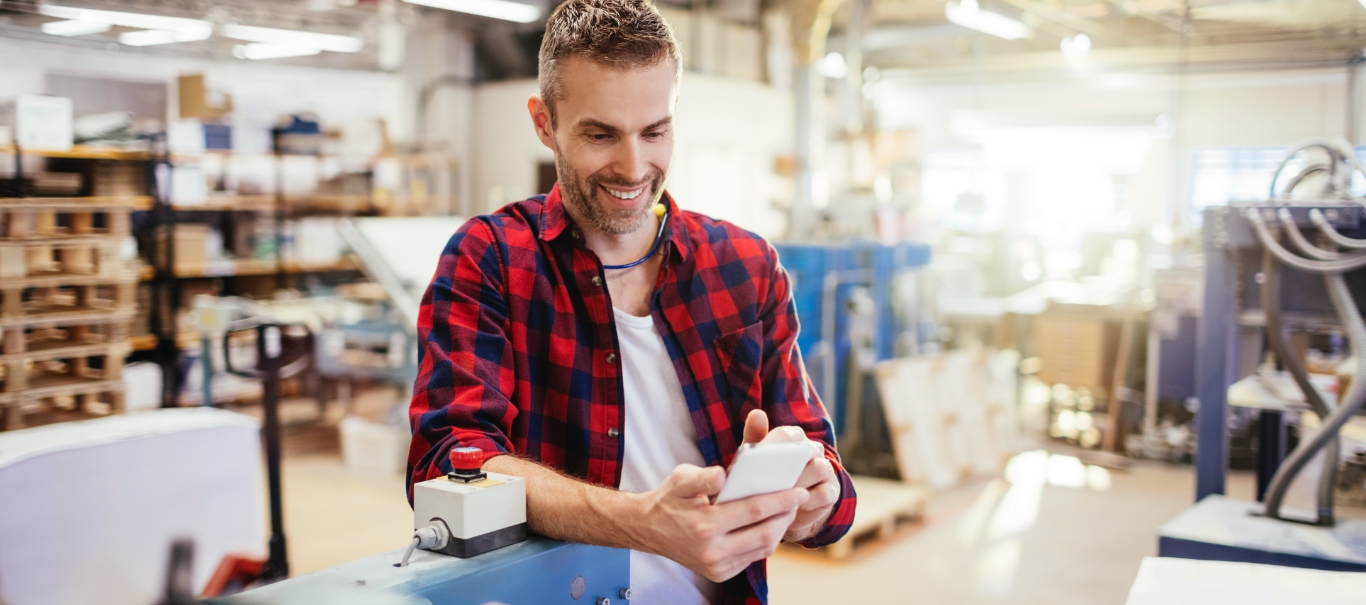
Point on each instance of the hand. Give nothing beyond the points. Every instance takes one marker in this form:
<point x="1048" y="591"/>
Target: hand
<point x="714" y="541"/>
<point x="818" y="478"/>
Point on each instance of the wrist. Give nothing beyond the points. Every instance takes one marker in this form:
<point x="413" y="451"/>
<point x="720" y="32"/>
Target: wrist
<point x="626" y="514"/>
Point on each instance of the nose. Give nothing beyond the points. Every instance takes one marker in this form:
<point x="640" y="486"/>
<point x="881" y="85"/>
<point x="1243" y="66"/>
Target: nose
<point x="630" y="161"/>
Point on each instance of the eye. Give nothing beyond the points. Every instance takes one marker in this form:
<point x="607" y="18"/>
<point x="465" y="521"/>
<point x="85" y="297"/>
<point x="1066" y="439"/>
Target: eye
<point x="598" y="136"/>
<point x="654" y="136"/>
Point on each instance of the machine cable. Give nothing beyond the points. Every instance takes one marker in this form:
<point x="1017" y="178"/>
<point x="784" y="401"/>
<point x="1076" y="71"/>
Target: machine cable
<point x="1331" y="265"/>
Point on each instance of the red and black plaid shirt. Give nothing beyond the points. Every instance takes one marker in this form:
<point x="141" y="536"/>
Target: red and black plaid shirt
<point x="519" y="352"/>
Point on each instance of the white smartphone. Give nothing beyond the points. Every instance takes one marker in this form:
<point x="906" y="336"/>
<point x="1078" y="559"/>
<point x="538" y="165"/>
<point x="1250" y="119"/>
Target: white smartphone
<point x="764" y="468"/>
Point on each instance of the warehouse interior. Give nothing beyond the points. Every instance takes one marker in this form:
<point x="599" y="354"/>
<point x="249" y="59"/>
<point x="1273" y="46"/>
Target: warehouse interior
<point x="1078" y="285"/>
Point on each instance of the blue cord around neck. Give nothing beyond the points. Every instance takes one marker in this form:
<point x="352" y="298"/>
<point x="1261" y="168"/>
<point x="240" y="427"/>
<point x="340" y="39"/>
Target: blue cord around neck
<point x="659" y="237"/>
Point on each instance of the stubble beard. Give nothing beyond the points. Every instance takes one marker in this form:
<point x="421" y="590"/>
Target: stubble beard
<point x="580" y="196"/>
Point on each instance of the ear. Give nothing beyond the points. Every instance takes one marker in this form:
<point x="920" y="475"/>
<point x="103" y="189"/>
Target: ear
<point x="540" y="120"/>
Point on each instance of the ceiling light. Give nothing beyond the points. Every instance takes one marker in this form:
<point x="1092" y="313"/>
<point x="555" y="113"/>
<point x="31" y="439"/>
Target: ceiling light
<point x="1077" y="46"/>
<point x="75" y="27"/>
<point x="150" y="37"/>
<point x="265" y="50"/>
<point x="496" y="9"/>
<point x="138" y="20"/>
<point x="968" y="15"/>
<point x="293" y="38"/>
<point x="832" y="66"/>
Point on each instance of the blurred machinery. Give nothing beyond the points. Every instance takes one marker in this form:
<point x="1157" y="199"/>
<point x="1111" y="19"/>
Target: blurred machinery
<point x="1262" y="271"/>
<point x="858" y="303"/>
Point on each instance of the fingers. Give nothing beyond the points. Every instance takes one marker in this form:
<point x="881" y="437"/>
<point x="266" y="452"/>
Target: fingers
<point x="759" y="538"/>
<point x="742" y="513"/>
<point x="817" y="471"/>
<point x="823" y="495"/>
<point x="690" y="481"/>
<point x="785" y="434"/>
<point x="756" y="426"/>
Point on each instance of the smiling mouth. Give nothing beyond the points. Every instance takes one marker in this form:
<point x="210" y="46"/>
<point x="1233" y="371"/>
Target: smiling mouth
<point x="628" y="194"/>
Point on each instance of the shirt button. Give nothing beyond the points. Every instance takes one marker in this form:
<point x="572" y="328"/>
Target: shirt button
<point x="611" y="358"/>
<point x="597" y="281"/>
<point x="613" y="432"/>
<point x="576" y="234"/>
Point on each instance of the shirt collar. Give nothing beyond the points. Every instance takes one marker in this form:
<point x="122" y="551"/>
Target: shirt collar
<point x="555" y="221"/>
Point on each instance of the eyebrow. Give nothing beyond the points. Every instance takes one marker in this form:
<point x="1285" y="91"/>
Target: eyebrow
<point x="591" y="123"/>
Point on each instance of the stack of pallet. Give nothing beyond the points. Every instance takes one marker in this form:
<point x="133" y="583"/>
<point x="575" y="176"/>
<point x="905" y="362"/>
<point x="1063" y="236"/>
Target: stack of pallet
<point x="66" y="301"/>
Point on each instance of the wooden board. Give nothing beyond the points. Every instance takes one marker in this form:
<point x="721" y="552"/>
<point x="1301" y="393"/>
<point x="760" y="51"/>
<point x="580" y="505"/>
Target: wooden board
<point x="883" y="507"/>
<point x="950" y="416"/>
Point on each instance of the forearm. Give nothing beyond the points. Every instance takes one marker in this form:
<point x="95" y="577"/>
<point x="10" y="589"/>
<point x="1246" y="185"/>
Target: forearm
<point x="564" y="508"/>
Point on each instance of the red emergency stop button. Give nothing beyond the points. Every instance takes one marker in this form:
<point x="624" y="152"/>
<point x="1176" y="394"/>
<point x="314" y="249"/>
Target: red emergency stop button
<point x="466" y="458"/>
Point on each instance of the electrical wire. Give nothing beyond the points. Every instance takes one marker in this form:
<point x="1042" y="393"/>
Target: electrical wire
<point x="408" y="553"/>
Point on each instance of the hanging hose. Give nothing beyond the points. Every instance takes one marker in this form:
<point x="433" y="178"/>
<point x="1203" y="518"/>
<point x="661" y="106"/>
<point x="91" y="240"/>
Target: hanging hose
<point x="1331" y="264"/>
<point x="1332" y="234"/>
<point x="1338" y="183"/>
<point x="1308" y="266"/>
<point x="1351" y="403"/>
<point x="1275" y="334"/>
<point x="1307" y="247"/>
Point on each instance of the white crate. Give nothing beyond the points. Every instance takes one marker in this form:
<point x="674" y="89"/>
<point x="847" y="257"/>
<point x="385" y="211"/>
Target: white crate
<point x="374" y="446"/>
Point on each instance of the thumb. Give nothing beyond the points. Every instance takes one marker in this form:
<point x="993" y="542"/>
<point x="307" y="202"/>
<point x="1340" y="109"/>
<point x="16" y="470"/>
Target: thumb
<point x="689" y="481"/>
<point x="756" y="426"/>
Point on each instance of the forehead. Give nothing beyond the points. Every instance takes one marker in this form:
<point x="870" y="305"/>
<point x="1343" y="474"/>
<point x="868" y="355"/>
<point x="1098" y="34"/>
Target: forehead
<point x="625" y="98"/>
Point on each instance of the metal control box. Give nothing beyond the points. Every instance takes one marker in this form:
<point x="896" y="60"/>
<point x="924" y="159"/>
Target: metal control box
<point x="481" y="515"/>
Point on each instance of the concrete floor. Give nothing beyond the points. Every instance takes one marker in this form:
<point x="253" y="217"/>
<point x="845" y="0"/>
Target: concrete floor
<point x="1058" y="532"/>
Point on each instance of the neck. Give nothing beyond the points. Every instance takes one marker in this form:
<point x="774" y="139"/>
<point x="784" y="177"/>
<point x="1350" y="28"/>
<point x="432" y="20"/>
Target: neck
<point x="620" y="248"/>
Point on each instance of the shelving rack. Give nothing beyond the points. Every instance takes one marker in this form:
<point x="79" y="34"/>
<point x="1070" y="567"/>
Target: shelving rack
<point x="168" y="278"/>
<point x="66" y="299"/>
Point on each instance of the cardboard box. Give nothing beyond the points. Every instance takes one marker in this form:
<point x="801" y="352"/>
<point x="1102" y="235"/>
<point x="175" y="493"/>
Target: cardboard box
<point x="197" y="101"/>
<point x="39" y="122"/>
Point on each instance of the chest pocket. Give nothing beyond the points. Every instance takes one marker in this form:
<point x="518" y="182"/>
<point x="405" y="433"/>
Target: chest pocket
<point x="741" y="353"/>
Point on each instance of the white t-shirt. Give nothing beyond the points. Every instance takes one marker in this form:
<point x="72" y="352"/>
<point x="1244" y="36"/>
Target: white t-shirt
<point x="659" y="436"/>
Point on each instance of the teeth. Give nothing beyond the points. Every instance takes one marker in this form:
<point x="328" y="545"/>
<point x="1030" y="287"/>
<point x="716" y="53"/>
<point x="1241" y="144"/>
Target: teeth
<point x="625" y="195"/>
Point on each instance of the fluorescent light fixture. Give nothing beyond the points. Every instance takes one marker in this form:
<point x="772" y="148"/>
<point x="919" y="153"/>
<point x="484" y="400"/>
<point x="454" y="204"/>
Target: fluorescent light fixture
<point x="496" y="9"/>
<point x="151" y="37"/>
<point x="968" y="15"/>
<point x="266" y="50"/>
<point x="75" y="27"/>
<point x="280" y="38"/>
<point x="138" y="20"/>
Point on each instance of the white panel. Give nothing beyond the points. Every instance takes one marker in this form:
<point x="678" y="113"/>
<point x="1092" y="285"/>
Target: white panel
<point x="90" y="508"/>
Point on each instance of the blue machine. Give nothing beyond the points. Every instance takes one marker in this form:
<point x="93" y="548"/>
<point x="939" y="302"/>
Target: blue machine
<point x="1221" y="528"/>
<point x="539" y="571"/>
<point x="832" y="284"/>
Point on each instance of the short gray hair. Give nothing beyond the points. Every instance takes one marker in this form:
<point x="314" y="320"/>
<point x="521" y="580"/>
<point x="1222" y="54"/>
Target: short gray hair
<point x="623" y="34"/>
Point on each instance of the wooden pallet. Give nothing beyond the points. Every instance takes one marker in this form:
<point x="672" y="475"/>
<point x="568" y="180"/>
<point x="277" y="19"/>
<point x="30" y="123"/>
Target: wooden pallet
<point x="54" y="220"/>
<point x="68" y="256"/>
<point x="63" y="365"/>
<point x="884" y="506"/>
<point x="91" y="396"/>
<point x="64" y="305"/>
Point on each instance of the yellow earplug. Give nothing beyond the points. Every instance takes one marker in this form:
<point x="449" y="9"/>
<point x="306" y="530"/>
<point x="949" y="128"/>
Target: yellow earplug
<point x="660" y="209"/>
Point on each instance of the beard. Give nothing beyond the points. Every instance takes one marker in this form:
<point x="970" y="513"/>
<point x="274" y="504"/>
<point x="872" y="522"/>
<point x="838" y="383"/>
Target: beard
<point x="580" y="196"/>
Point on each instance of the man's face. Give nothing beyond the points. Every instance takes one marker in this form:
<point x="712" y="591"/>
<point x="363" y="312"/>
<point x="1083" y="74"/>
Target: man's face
<point x="613" y="139"/>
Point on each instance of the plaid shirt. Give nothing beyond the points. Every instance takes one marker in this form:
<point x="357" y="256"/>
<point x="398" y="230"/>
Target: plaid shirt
<point x="519" y="352"/>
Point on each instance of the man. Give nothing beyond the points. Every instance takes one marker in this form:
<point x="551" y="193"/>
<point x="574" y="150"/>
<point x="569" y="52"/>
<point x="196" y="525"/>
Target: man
<point x="615" y="350"/>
